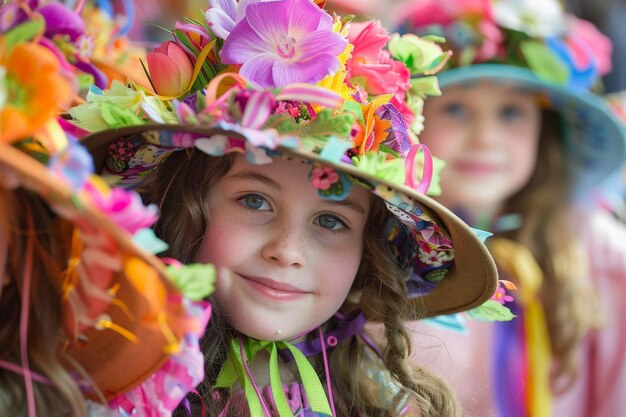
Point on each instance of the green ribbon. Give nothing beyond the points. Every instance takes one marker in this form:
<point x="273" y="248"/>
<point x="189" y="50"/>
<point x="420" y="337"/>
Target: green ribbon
<point x="234" y="370"/>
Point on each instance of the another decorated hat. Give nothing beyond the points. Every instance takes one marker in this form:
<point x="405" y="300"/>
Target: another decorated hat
<point x="124" y="311"/>
<point x="536" y="45"/>
<point x="285" y="78"/>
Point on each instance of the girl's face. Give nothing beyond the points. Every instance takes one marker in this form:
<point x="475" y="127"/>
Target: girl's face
<point x="487" y="134"/>
<point x="291" y="255"/>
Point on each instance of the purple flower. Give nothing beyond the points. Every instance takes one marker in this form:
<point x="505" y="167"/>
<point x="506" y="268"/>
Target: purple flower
<point x="225" y="14"/>
<point x="62" y="21"/>
<point x="283" y="42"/>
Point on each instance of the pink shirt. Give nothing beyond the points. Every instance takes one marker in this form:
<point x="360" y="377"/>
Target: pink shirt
<point x="600" y="391"/>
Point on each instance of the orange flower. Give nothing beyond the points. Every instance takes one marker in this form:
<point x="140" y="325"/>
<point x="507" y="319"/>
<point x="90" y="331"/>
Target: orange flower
<point x="36" y="91"/>
<point x="368" y="137"/>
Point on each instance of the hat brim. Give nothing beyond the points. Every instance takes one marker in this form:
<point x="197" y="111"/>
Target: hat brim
<point x="114" y="363"/>
<point x="594" y="137"/>
<point x="471" y="280"/>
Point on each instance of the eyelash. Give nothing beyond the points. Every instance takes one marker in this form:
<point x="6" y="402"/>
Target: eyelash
<point x="242" y="201"/>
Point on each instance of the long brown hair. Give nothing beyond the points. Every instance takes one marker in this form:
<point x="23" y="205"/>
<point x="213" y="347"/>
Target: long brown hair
<point x="545" y="205"/>
<point x="180" y="189"/>
<point x="30" y="222"/>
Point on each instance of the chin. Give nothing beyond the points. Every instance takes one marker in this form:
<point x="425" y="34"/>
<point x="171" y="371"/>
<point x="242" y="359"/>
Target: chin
<point x="272" y="335"/>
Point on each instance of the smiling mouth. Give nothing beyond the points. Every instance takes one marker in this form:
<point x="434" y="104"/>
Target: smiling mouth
<point x="477" y="167"/>
<point x="274" y="290"/>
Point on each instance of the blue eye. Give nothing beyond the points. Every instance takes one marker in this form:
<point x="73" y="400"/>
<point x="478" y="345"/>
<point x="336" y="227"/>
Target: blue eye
<point x="330" y="222"/>
<point x="455" y="110"/>
<point x="255" y="202"/>
<point x="511" y="113"/>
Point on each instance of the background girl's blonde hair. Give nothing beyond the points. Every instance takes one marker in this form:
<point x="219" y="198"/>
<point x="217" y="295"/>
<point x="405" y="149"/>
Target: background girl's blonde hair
<point x="545" y="204"/>
<point x="180" y="190"/>
<point x="47" y="234"/>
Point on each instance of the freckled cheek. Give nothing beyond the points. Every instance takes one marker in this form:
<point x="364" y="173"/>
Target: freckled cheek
<point x="339" y="269"/>
<point x="223" y="245"/>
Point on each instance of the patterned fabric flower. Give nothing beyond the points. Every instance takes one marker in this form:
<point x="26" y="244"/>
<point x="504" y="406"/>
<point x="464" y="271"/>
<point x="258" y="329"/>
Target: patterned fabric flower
<point x="283" y="42"/>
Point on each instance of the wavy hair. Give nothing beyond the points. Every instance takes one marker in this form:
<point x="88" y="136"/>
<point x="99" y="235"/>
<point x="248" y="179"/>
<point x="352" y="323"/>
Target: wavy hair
<point x="546" y="207"/>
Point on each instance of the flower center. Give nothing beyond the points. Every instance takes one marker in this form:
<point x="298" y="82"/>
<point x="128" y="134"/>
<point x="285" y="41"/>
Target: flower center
<point x="286" y="47"/>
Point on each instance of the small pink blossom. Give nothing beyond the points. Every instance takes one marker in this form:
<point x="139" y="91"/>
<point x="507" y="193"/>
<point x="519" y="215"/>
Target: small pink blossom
<point x="501" y="297"/>
<point x="323" y="177"/>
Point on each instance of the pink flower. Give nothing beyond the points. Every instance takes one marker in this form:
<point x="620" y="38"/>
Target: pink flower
<point x="587" y="42"/>
<point x="124" y="207"/>
<point x="323" y="177"/>
<point x="501" y="297"/>
<point x="283" y="42"/>
<point x="478" y="14"/>
<point x="170" y="69"/>
<point x="444" y="12"/>
<point x="372" y="65"/>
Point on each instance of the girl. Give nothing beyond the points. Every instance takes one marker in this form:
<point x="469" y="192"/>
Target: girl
<point x="300" y="194"/>
<point x="524" y="141"/>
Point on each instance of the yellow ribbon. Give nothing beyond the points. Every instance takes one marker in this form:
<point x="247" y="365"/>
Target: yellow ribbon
<point x="516" y="260"/>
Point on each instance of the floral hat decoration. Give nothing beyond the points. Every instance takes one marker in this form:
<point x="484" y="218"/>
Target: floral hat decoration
<point x="126" y="314"/>
<point x="536" y="45"/>
<point x="285" y="78"/>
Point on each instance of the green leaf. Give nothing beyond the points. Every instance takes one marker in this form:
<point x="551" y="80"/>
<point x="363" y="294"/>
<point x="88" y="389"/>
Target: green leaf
<point x="544" y="62"/>
<point x="491" y="310"/>
<point x="377" y="165"/>
<point x="115" y="116"/>
<point x="195" y="281"/>
<point x="316" y="133"/>
<point x="23" y="33"/>
<point x="354" y="108"/>
<point x="85" y="80"/>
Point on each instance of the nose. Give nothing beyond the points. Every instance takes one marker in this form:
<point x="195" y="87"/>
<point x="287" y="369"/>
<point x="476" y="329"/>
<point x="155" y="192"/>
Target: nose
<point x="485" y="133"/>
<point x="285" y="247"/>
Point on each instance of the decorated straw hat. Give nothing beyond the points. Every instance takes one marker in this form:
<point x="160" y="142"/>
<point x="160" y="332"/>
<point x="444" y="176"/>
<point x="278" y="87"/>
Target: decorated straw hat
<point x="535" y="45"/>
<point x="124" y="311"/>
<point x="286" y="79"/>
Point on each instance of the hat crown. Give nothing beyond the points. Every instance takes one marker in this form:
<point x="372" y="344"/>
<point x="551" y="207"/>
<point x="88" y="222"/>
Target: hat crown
<point x="535" y="34"/>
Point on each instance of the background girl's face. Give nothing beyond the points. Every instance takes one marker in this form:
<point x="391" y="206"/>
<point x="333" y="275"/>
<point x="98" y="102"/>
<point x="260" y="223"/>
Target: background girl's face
<point x="488" y="136"/>
<point x="291" y="255"/>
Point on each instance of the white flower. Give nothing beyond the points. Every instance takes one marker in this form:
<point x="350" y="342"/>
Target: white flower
<point x="537" y="18"/>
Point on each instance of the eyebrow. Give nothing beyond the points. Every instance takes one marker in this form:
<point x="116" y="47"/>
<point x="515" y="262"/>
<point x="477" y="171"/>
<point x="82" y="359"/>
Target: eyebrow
<point x="251" y="176"/>
<point x="254" y="177"/>
<point x="347" y="203"/>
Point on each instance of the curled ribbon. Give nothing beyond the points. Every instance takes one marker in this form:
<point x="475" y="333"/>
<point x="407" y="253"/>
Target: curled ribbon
<point x="410" y="180"/>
